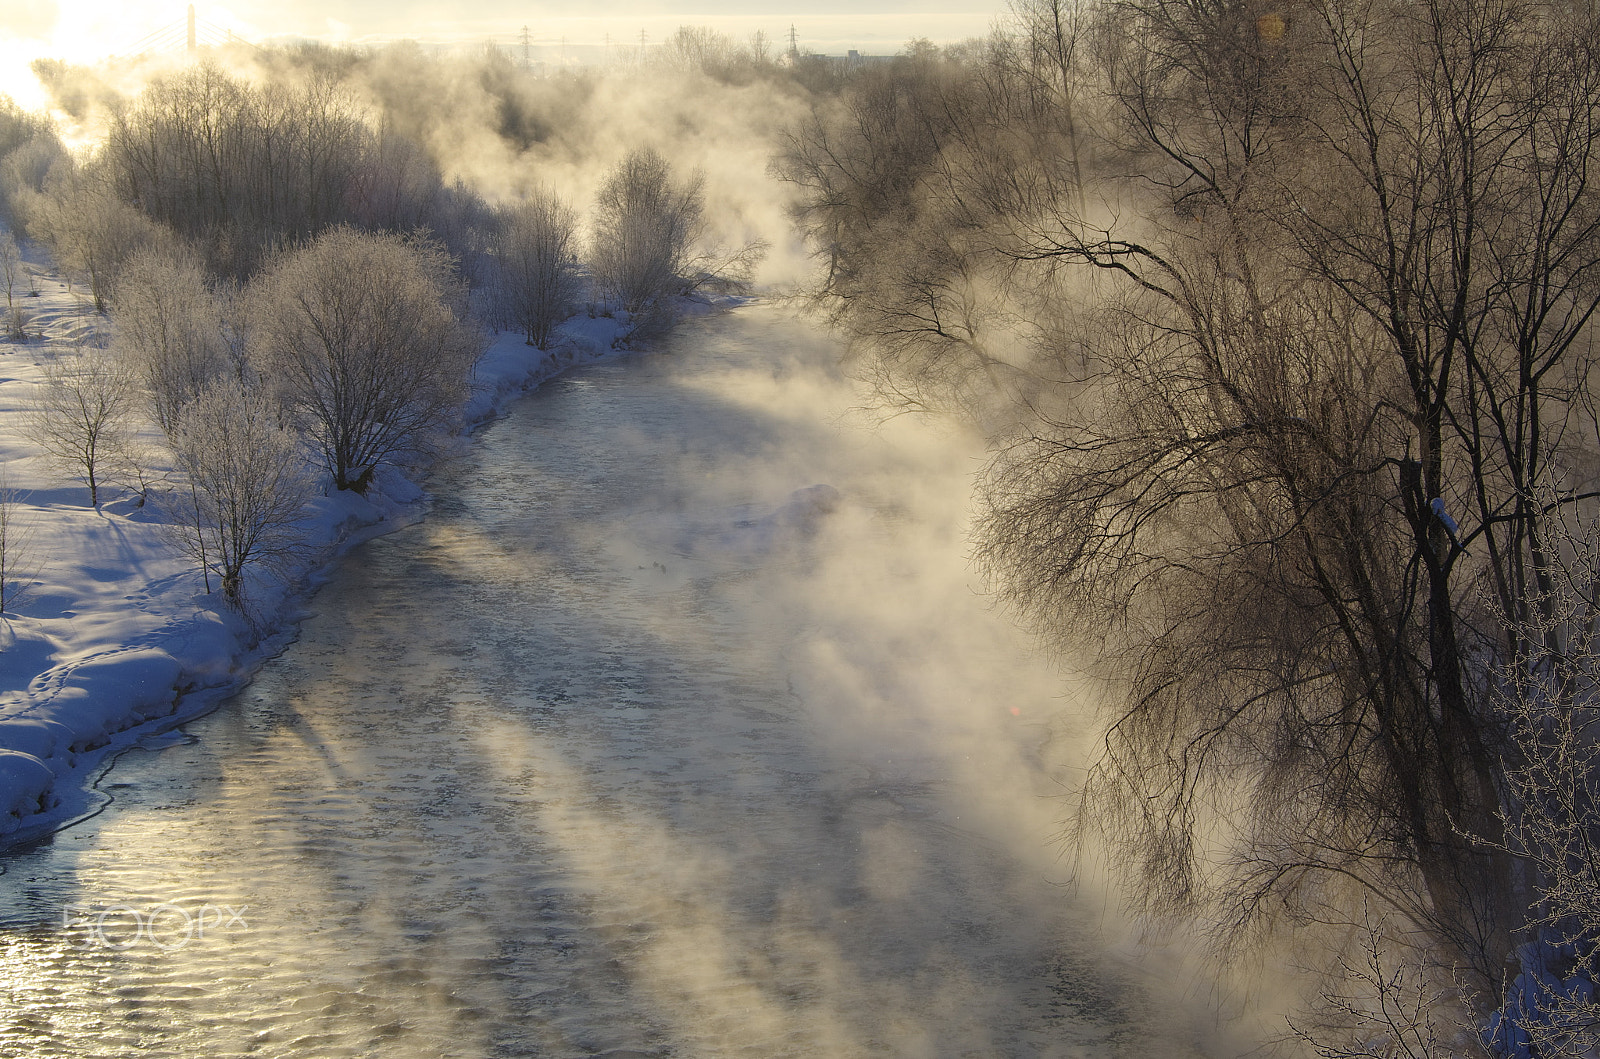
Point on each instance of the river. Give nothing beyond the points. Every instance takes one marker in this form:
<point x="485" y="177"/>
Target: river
<point x="678" y="728"/>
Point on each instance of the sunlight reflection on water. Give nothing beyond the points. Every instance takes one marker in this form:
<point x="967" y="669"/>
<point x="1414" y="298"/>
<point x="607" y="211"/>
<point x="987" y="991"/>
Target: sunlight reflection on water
<point x="634" y="747"/>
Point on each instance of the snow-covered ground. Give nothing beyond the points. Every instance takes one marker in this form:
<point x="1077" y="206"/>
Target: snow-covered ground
<point x="115" y="639"/>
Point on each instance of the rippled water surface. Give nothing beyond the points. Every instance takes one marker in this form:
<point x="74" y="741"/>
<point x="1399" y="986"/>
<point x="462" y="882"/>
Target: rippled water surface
<point x="676" y="729"/>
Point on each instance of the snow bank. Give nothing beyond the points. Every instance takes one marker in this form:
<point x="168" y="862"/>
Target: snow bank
<point x="118" y="639"/>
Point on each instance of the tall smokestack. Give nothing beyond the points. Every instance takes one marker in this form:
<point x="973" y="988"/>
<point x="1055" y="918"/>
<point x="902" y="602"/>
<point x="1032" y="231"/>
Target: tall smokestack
<point x="191" y="29"/>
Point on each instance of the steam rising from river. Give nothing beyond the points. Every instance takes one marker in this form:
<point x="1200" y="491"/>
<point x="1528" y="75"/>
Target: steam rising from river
<point x="480" y="806"/>
<point x="641" y="743"/>
<point x="503" y="130"/>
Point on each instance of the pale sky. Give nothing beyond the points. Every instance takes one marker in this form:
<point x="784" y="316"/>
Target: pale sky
<point x="88" y="30"/>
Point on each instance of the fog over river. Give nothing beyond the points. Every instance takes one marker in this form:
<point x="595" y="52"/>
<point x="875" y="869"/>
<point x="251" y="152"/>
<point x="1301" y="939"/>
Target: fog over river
<point x="678" y="728"/>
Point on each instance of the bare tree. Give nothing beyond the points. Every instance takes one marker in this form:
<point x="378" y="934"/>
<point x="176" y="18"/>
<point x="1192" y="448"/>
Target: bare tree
<point x="359" y="333"/>
<point x="1378" y="1006"/>
<point x="914" y="184"/>
<point x="81" y="416"/>
<point x="396" y="184"/>
<point x="1286" y="379"/>
<point x="1332" y="384"/>
<point x="248" y="483"/>
<point x="169" y="327"/>
<point x="697" y="48"/>
<point x="91" y="231"/>
<point x="646" y="224"/>
<point x="538" y="280"/>
<point x="1050" y="66"/>
<point x="760" y="48"/>
<point x="235" y="168"/>
<point x="13" y="271"/>
<point x="18" y="566"/>
<point x="11" y="267"/>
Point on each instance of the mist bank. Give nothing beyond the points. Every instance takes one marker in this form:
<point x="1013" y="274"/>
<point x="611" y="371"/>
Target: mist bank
<point x="915" y="182"/>
<point x="483" y="126"/>
<point x="111" y="639"/>
<point x="187" y="209"/>
<point x="1282" y="337"/>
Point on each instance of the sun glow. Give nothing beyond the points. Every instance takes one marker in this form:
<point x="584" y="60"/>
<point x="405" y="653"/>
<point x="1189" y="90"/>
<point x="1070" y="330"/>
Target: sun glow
<point x="89" y="32"/>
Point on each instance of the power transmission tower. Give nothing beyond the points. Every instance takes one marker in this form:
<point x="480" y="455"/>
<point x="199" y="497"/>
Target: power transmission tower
<point x="526" y="62"/>
<point x="794" y="42"/>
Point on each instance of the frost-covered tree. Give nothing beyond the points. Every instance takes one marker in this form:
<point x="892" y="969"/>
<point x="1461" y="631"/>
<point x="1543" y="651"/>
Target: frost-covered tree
<point x="81" y="416"/>
<point x="359" y="333"/>
<point x="11" y="268"/>
<point x="29" y="146"/>
<point x="248" y="483"/>
<point x="91" y="231"/>
<point x="169" y="329"/>
<point x="24" y="172"/>
<point x="646" y="225"/>
<point x="538" y="281"/>
<point x="1277" y="371"/>
<point x="17" y="568"/>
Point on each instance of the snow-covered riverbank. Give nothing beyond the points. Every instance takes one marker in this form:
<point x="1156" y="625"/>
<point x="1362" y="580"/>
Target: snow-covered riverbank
<point x="115" y="639"/>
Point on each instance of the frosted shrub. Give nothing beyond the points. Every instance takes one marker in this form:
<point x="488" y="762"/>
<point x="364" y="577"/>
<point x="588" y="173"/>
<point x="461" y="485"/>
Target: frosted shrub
<point x="12" y="270"/>
<point x="248" y="483"/>
<point x="646" y="225"/>
<point x="359" y="334"/>
<point x="538" y="279"/>
<point x="81" y="416"/>
<point x="169" y="329"/>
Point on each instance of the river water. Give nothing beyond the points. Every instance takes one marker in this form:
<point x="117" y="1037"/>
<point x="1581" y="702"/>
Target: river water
<point x="677" y="729"/>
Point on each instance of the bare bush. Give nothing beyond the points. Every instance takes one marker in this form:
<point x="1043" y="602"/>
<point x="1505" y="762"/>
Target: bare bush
<point x="537" y="284"/>
<point x="90" y="230"/>
<point x="169" y="328"/>
<point x="12" y="270"/>
<point x="18" y="564"/>
<point x="723" y="268"/>
<point x="81" y="417"/>
<point x="359" y="333"/>
<point x="1380" y="1005"/>
<point x="1550" y="694"/>
<point x="248" y="483"/>
<point x="646" y="225"/>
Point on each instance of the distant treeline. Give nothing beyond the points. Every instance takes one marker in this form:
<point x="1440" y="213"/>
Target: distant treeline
<point x="297" y="293"/>
<point x="240" y="164"/>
